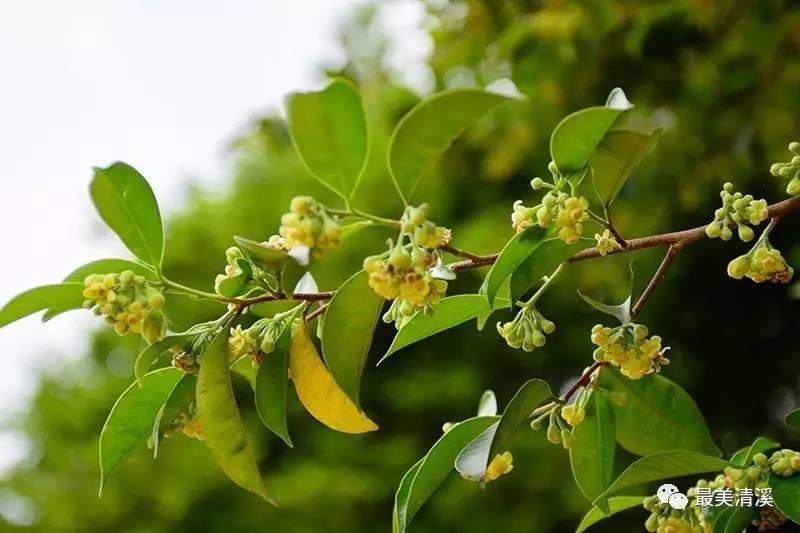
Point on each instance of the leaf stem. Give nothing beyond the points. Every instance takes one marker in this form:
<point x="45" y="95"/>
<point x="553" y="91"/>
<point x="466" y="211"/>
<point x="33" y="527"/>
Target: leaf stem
<point x="547" y="282"/>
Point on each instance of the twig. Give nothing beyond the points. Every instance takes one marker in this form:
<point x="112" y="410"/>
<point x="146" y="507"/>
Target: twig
<point x="316" y="312"/>
<point x="669" y="257"/>
<point x="581" y="381"/>
<point x="664" y="239"/>
<point x="463" y="253"/>
<point x="610" y="226"/>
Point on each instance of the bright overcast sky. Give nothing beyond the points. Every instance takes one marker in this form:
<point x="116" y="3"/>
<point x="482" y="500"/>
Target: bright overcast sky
<point x="161" y="85"/>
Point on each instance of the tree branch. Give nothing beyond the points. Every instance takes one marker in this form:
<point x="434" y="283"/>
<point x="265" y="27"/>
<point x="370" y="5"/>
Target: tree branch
<point x="669" y="257"/>
<point x="680" y="238"/>
<point x="316" y="312"/>
<point x="581" y="381"/>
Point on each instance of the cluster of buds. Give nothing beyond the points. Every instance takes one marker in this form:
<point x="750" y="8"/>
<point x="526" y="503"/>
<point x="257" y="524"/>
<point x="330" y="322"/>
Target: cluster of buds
<point x="308" y="225"/>
<point x="784" y="462"/>
<point x="739" y="210"/>
<point x="664" y="519"/>
<point x="606" y="242"/>
<point x="256" y="341"/>
<point x="128" y="303"/>
<point x="754" y="477"/>
<point x="527" y="330"/>
<point x="790" y="169"/>
<point x="413" y="274"/>
<point x="568" y="211"/>
<point x="628" y="348"/>
<point x="761" y="263"/>
<point x="562" y="419"/>
<point x="422" y="232"/>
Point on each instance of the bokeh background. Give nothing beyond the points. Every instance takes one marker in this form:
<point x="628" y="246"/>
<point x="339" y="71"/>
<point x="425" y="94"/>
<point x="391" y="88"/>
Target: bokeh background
<point x="190" y="93"/>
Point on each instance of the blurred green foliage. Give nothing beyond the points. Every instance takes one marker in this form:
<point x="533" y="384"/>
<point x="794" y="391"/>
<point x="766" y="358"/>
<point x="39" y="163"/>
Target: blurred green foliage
<point x="722" y="77"/>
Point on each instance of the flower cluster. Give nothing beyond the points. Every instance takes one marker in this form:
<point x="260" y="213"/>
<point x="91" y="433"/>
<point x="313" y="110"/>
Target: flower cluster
<point x="411" y="274"/>
<point x="606" y="243"/>
<point x="422" y="232"/>
<point x="563" y="419"/>
<point x="128" y="303"/>
<point x="739" y="210"/>
<point x="527" y="330"/>
<point x="735" y="481"/>
<point x="309" y="225"/>
<point x="566" y="210"/>
<point x="665" y="519"/>
<point x="628" y="348"/>
<point x="407" y="277"/>
<point x="761" y="263"/>
<point x="256" y="341"/>
<point x="790" y="169"/>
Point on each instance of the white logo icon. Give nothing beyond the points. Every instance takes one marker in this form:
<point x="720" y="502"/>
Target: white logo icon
<point x="665" y="492"/>
<point x="678" y="501"/>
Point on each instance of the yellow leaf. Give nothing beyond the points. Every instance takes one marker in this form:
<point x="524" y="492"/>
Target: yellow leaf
<point x="319" y="392"/>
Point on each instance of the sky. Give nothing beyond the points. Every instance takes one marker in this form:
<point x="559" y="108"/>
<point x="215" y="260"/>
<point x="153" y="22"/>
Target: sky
<point x="161" y="85"/>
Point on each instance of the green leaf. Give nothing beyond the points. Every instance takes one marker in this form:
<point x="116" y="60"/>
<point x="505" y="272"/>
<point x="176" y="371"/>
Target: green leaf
<point x="511" y="257"/>
<point x="592" y="454"/>
<point x="152" y="352"/>
<point x="474" y="459"/>
<point x="131" y="419"/>
<point x="435" y="467"/>
<point x="793" y="420"/>
<point x="62" y="297"/>
<point x="734" y="520"/>
<point x="616" y="505"/>
<point x="232" y="286"/>
<point x="401" y="496"/>
<point x="662" y="465"/>
<point x="266" y="256"/>
<point x="126" y="203"/>
<point x="542" y="261"/>
<point x="615" y="158"/>
<point x="450" y="312"/>
<point x="530" y="396"/>
<point x="347" y="332"/>
<point x="499" y="303"/>
<point x="329" y="132"/>
<point x="180" y="398"/>
<point x="222" y="424"/>
<point x="575" y="138"/>
<point x="786" y="492"/>
<point x="244" y="367"/>
<point x="272" y="383"/>
<point x="654" y="414"/>
<point x="745" y="456"/>
<point x="487" y="405"/>
<point x="429" y="129"/>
